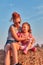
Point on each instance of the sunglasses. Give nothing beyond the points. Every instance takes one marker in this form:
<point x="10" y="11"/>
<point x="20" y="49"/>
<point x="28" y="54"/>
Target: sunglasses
<point x="18" y="22"/>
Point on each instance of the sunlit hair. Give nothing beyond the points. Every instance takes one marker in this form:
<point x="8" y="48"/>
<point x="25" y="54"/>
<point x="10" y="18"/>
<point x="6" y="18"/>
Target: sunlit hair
<point x="30" y="31"/>
<point x="15" y="15"/>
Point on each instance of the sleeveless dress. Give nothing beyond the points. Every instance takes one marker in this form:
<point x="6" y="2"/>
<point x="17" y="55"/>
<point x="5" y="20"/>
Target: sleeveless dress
<point x="10" y="39"/>
<point x="24" y="43"/>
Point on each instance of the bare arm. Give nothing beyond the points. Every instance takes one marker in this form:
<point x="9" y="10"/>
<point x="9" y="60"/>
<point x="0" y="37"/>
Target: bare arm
<point x="33" y="40"/>
<point x="14" y="35"/>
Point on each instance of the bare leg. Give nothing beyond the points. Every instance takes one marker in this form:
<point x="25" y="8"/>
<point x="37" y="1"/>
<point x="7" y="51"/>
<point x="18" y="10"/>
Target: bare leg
<point x="7" y="55"/>
<point x="29" y="46"/>
<point x="7" y="58"/>
<point x="15" y="48"/>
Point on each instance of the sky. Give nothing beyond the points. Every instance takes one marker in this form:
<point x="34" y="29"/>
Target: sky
<point x="31" y="11"/>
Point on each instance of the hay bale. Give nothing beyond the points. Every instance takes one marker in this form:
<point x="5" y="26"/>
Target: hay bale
<point x="32" y="58"/>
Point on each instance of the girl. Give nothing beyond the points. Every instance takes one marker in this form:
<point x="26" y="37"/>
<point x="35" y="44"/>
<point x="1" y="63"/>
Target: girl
<point x="26" y="44"/>
<point x="13" y="40"/>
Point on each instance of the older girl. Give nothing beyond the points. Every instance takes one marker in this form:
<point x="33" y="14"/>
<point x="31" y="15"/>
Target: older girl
<point x="13" y="40"/>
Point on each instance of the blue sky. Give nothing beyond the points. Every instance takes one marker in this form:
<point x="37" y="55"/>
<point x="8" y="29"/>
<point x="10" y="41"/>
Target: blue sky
<point x="30" y="11"/>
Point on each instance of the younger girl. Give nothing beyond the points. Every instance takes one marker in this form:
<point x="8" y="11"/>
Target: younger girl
<point x="26" y="32"/>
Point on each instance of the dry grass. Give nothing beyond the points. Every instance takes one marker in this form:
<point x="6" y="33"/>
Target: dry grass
<point x="32" y="58"/>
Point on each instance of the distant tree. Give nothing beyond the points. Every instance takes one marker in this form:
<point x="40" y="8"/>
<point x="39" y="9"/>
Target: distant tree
<point x="37" y="45"/>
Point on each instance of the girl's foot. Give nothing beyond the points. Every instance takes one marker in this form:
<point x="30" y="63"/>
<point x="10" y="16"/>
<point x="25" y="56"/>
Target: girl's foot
<point x="22" y="47"/>
<point x="25" y="51"/>
<point x="34" y="49"/>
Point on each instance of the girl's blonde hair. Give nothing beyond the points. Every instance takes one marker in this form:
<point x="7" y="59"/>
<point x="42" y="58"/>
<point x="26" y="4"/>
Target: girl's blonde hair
<point x="30" y="31"/>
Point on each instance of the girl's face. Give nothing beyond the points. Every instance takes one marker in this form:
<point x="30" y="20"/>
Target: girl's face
<point x="17" y="21"/>
<point x="25" y="28"/>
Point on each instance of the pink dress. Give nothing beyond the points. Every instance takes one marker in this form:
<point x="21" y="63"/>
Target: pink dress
<point x="24" y="43"/>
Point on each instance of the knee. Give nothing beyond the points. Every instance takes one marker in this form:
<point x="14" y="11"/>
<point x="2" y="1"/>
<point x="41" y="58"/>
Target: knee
<point x="7" y="50"/>
<point x="14" y="46"/>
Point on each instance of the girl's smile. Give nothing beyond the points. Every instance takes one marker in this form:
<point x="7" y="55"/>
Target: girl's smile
<point x="25" y="28"/>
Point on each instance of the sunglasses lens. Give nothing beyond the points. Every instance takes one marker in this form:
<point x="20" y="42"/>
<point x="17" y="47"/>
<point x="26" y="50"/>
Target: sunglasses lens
<point x="19" y="22"/>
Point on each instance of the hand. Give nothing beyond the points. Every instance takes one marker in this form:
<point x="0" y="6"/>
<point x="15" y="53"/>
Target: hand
<point x="28" y="38"/>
